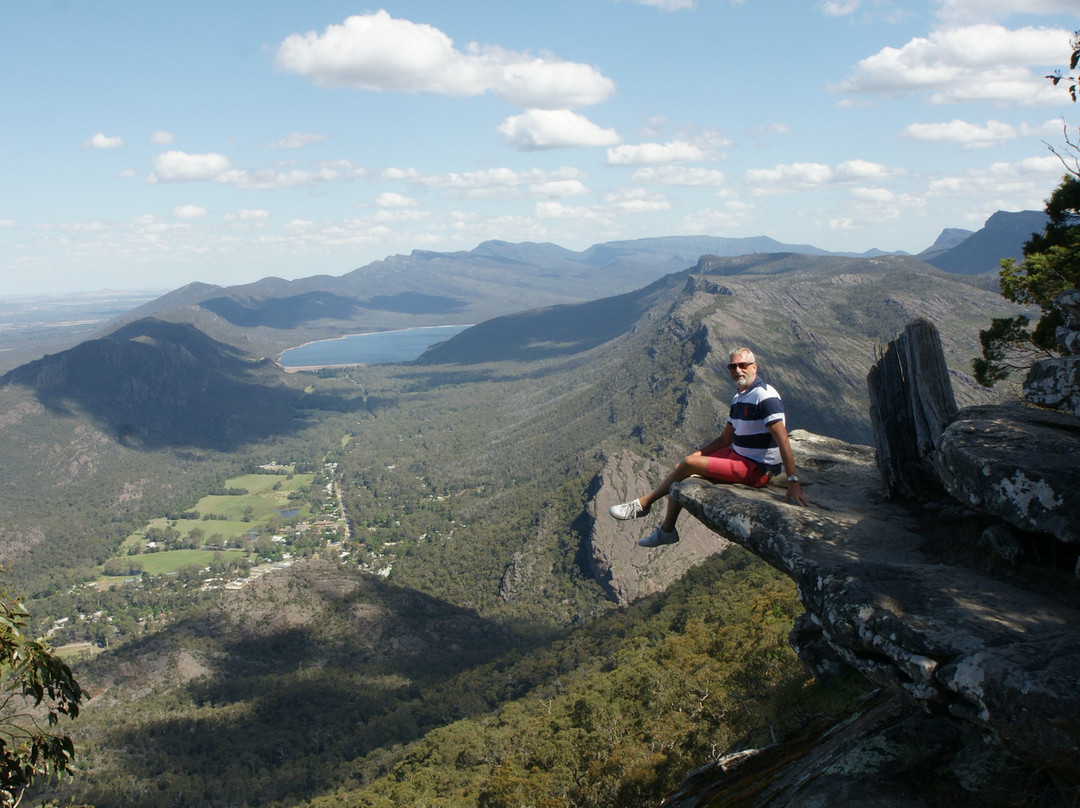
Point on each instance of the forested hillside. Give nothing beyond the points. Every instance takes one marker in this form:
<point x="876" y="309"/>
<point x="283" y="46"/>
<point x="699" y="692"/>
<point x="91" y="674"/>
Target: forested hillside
<point x="452" y="646"/>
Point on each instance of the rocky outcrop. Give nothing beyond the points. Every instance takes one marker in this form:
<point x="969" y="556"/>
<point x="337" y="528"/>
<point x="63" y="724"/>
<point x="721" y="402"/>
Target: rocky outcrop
<point x="911" y="401"/>
<point x="940" y="601"/>
<point x="1016" y="463"/>
<point x="1055" y="383"/>
<point x="625" y="571"/>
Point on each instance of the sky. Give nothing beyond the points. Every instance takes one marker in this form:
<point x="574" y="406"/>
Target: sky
<point x="151" y="145"/>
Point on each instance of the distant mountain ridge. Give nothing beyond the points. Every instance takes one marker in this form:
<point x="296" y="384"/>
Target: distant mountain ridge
<point x="1003" y="236"/>
<point x="497" y="278"/>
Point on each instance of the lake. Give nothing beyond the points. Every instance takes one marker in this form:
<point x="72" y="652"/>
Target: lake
<point x="378" y="347"/>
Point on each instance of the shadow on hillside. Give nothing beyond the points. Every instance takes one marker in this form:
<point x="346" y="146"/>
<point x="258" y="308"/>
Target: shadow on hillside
<point x="557" y="331"/>
<point x="153" y="384"/>
<point x="370" y="666"/>
<point x="286" y="313"/>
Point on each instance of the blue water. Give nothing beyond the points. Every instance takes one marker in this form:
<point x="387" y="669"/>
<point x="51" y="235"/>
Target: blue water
<point x="379" y="347"/>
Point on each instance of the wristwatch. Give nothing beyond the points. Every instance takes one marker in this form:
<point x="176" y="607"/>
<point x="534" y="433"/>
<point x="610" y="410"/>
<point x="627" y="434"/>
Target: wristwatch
<point x="793" y="478"/>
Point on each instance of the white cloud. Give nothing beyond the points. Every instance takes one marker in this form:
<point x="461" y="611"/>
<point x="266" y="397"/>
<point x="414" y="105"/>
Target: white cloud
<point x="161" y="138"/>
<point x="840" y="8"/>
<point x="178" y="166"/>
<point x="1001" y="9"/>
<point x="557" y="210"/>
<point x="970" y="135"/>
<point x="537" y="129"/>
<point x="551" y="189"/>
<point x="981" y="62"/>
<point x="637" y="200"/>
<point x="379" y="52"/>
<point x="792" y="176"/>
<point x="189" y="212"/>
<point x="668" y="5"/>
<point x="248" y="215"/>
<point x="393" y="200"/>
<point x="102" y="141"/>
<point x="8" y="223"/>
<point x="679" y="175"/>
<point x="801" y="176"/>
<point x="1025" y="182"/>
<point x="500" y="183"/>
<point x="297" y="140"/>
<point x="676" y="151"/>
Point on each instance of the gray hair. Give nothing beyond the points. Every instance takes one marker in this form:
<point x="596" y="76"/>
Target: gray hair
<point x="736" y="351"/>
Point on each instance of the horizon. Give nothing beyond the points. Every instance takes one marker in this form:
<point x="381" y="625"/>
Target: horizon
<point x="258" y="142"/>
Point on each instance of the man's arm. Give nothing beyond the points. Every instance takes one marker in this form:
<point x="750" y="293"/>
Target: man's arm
<point x="787" y="457"/>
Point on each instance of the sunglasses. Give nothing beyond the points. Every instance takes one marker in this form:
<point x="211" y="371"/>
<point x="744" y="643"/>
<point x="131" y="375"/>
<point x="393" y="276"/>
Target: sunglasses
<point x="740" y="365"/>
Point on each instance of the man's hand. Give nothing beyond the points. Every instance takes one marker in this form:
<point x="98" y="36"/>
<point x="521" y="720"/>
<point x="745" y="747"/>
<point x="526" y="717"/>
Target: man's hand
<point x="795" y="494"/>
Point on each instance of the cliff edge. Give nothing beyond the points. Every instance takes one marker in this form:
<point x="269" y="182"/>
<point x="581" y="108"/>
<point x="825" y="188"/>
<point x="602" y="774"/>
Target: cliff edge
<point x="959" y="599"/>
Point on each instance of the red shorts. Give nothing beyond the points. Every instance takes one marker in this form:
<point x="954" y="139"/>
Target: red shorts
<point x="728" y="466"/>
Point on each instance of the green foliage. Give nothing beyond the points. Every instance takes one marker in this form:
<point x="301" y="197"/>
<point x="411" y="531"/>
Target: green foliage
<point x="35" y="686"/>
<point x="651" y="693"/>
<point x="1071" y="82"/>
<point x="1051" y="265"/>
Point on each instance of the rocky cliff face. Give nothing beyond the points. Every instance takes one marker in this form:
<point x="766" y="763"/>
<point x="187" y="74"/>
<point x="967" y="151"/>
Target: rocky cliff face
<point x="973" y="638"/>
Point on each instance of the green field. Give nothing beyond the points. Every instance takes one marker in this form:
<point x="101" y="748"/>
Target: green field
<point x="173" y="560"/>
<point x="242" y="513"/>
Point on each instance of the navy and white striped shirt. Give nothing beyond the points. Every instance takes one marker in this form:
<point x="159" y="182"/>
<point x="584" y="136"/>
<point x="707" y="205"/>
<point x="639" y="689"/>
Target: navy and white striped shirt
<point x="752" y="410"/>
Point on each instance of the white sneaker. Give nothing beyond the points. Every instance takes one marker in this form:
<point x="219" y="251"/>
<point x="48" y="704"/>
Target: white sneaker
<point x="628" y="510"/>
<point x="659" y="536"/>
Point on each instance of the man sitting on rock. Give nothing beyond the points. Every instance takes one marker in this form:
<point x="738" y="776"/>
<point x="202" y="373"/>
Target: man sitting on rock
<point x="752" y="448"/>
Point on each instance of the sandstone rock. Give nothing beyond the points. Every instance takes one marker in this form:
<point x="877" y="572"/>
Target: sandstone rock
<point x="625" y="570"/>
<point x="1067" y="304"/>
<point x="911" y="401"/>
<point x="1055" y="383"/>
<point x="1003" y="658"/>
<point x="1016" y="463"/>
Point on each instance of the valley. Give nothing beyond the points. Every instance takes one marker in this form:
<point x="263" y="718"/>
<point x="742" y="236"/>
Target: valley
<point x="442" y="636"/>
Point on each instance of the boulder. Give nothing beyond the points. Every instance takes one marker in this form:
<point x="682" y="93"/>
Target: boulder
<point x="911" y="401"/>
<point x="956" y="639"/>
<point x="1016" y="463"/>
<point x="1055" y="383"/>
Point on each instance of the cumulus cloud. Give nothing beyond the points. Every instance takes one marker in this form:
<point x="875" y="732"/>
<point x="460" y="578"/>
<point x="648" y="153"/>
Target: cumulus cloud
<point x="537" y="129"/>
<point x="161" y="138"/>
<point x="379" y="52"/>
<point x="637" y="200"/>
<point x="189" y="212"/>
<point x="500" y="183"/>
<point x="840" y="8"/>
<point x="297" y="140"/>
<point x="1025" y="182"/>
<point x="679" y="175"/>
<point x="552" y="189"/>
<point x="676" y="151"/>
<point x="970" y="135"/>
<point x="393" y="200"/>
<point x="668" y="5"/>
<point x="981" y="62"/>
<point x="178" y="166"/>
<point x="800" y="176"/>
<point x="248" y="215"/>
<point x="1000" y="9"/>
<point x="103" y="141"/>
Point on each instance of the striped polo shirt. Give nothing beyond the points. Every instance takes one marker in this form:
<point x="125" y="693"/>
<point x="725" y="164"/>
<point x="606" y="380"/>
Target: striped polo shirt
<point x="752" y="410"/>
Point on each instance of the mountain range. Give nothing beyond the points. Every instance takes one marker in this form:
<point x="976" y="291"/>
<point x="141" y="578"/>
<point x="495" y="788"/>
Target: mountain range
<point x="498" y="278"/>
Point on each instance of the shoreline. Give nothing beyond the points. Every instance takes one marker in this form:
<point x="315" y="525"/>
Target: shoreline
<point x="311" y="367"/>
